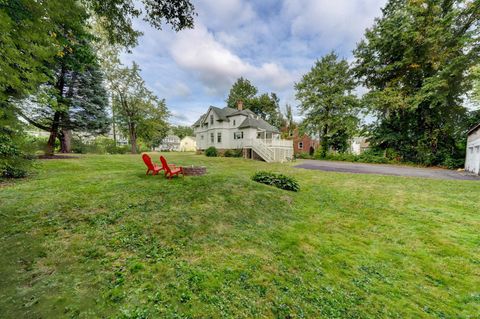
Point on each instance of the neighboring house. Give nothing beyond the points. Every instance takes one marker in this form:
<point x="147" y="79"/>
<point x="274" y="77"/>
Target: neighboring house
<point x="303" y="143"/>
<point x="358" y="145"/>
<point x="230" y="128"/>
<point x="188" y="144"/>
<point x="472" y="160"/>
<point x="170" y="143"/>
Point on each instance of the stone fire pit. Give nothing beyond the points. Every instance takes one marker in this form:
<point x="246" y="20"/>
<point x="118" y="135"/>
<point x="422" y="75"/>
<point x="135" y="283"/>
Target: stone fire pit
<point x="194" y="170"/>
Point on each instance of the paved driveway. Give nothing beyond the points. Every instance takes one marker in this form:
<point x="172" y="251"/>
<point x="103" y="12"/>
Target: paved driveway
<point x="362" y="168"/>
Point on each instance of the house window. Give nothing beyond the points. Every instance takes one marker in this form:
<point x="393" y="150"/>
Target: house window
<point x="233" y="122"/>
<point x="300" y="145"/>
<point x="201" y="137"/>
<point x="219" y="137"/>
<point x="211" y="119"/>
<point x="238" y="135"/>
<point x="212" y="138"/>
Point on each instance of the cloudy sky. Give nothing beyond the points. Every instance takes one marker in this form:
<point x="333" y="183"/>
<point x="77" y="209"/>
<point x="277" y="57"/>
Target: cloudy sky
<point x="270" y="42"/>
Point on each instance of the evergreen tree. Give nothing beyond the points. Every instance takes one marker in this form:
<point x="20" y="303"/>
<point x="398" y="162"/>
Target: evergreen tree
<point x="264" y="105"/>
<point x="242" y="90"/>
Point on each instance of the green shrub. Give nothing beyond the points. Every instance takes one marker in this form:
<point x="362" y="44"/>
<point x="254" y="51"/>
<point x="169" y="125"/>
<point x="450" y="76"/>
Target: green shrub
<point x="303" y="155"/>
<point x="233" y="153"/>
<point x="367" y="156"/>
<point x="14" y="153"/>
<point x="99" y="145"/>
<point x="278" y="180"/>
<point x="211" y="152"/>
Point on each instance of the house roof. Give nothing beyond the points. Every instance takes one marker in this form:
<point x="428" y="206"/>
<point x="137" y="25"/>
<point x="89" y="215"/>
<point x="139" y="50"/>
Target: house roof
<point x="258" y="123"/>
<point x="242" y="112"/>
<point x="250" y="121"/>
<point x="473" y="129"/>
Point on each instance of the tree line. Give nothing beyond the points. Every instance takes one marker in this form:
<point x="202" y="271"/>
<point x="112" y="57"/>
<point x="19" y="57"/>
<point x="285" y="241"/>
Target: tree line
<point x="60" y="71"/>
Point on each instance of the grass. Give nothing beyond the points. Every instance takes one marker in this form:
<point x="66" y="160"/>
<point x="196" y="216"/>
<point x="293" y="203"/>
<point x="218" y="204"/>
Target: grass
<point x="94" y="237"/>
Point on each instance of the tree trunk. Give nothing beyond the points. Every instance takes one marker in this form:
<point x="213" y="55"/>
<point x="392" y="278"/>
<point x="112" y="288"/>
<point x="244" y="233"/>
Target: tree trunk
<point x="53" y="135"/>
<point x="133" y="138"/>
<point x="113" y="127"/>
<point x="56" y="117"/>
<point x="65" y="141"/>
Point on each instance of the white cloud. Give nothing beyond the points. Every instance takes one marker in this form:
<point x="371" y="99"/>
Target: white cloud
<point x="217" y="67"/>
<point x="335" y="23"/>
<point x="225" y="14"/>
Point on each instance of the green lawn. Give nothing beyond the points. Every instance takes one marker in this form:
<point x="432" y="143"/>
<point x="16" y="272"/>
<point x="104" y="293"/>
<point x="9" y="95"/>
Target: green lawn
<point x="95" y="237"/>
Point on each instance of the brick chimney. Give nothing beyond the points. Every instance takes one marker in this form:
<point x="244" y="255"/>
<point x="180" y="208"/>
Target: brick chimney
<point x="240" y="105"/>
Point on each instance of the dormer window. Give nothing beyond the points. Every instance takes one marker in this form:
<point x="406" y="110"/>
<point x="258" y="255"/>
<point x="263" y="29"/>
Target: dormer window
<point x="211" y="119"/>
<point x="234" y="123"/>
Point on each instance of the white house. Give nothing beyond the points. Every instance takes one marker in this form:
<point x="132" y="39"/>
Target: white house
<point x="472" y="160"/>
<point x="230" y="128"/>
<point x="188" y="144"/>
<point x="170" y="143"/>
<point x="358" y="145"/>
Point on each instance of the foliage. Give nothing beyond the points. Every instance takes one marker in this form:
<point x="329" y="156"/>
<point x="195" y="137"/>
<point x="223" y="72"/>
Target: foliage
<point x="99" y="145"/>
<point x="233" y="153"/>
<point x="278" y="180"/>
<point x="415" y="62"/>
<point x="211" y="152"/>
<point x="115" y="16"/>
<point x="242" y="90"/>
<point x="267" y="106"/>
<point x="153" y="127"/>
<point x="290" y="124"/>
<point x="304" y="254"/>
<point x="327" y="101"/>
<point x="14" y="161"/>
<point x="303" y="155"/>
<point x="139" y="113"/>
<point x="182" y="131"/>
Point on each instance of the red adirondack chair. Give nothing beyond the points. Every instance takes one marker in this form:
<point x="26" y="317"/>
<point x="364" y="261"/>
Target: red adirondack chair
<point x="170" y="170"/>
<point x="151" y="167"/>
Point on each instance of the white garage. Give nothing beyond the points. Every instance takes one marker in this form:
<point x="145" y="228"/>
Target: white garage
<point x="472" y="161"/>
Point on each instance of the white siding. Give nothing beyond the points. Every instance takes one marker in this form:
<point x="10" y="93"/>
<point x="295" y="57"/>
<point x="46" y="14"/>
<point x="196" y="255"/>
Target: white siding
<point x="472" y="160"/>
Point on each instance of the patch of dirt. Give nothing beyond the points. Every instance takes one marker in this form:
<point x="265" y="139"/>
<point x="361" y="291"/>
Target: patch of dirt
<point x="50" y="157"/>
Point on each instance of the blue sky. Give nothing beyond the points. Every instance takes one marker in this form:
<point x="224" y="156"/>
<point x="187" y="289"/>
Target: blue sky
<point x="270" y="42"/>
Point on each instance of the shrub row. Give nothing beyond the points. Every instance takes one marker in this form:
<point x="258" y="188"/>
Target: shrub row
<point x="99" y="145"/>
<point x="213" y="152"/>
<point x="278" y="180"/>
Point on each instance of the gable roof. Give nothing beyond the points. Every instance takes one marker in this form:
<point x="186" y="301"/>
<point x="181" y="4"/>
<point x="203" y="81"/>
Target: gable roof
<point x="250" y="121"/>
<point x="222" y="113"/>
<point x="258" y="123"/>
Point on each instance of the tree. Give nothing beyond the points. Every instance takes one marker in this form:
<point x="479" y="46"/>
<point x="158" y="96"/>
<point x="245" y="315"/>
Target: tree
<point x="327" y="101"/>
<point x="290" y="124"/>
<point x="153" y="127"/>
<point x="182" y="131"/>
<point x="414" y="60"/>
<point x="74" y="97"/>
<point x="266" y="106"/>
<point x="136" y="106"/>
<point x="242" y="90"/>
<point x="115" y="17"/>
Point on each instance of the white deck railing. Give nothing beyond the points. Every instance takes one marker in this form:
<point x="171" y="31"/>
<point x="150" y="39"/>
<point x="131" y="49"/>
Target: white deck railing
<point x="270" y="150"/>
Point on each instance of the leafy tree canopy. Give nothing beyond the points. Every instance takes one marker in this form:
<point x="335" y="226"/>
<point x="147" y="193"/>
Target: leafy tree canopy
<point x="327" y="101"/>
<point x="182" y="131"/>
<point x="415" y="61"/>
<point x="267" y="106"/>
